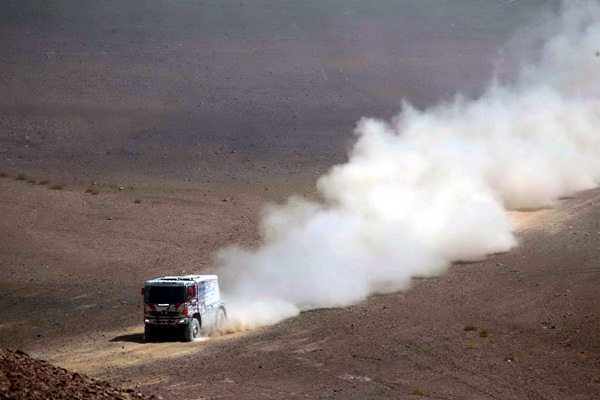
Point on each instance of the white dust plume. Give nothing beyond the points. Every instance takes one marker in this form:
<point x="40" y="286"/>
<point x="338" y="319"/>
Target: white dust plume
<point x="432" y="187"/>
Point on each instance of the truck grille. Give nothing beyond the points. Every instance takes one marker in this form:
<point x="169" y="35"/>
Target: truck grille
<point x="164" y="314"/>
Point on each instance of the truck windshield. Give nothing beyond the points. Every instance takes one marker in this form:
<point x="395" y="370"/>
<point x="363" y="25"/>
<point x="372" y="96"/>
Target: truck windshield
<point x="165" y="294"/>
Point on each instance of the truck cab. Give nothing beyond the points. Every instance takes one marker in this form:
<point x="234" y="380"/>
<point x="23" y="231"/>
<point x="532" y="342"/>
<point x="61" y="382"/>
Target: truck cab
<point x="185" y="304"/>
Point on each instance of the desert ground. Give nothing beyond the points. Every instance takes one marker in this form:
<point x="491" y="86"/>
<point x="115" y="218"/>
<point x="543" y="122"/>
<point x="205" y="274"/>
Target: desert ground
<point x="139" y="138"/>
<point x="518" y="325"/>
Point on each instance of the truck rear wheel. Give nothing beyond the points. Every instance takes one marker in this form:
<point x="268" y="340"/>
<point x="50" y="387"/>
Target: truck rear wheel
<point x="192" y="330"/>
<point x="221" y="319"/>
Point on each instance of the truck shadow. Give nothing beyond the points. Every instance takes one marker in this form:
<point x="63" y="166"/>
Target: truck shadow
<point x="139" y="338"/>
<point x="132" y="338"/>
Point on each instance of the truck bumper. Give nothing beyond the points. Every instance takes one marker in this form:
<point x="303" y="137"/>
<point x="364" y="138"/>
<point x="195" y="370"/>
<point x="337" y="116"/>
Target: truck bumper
<point x="166" y="322"/>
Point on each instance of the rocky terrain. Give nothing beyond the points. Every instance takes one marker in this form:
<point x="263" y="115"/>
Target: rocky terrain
<point x="23" y="377"/>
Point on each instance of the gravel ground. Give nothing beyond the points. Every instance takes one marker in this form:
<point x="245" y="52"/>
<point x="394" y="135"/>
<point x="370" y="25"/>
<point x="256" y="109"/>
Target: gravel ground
<point x="151" y="134"/>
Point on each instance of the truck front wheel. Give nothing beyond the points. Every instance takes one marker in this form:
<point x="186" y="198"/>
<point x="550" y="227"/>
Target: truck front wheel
<point x="192" y="330"/>
<point x="149" y="333"/>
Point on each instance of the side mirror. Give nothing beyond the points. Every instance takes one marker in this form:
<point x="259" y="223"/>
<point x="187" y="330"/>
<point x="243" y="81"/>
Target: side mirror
<point x="191" y="291"/>
<point x="143" y="291"/>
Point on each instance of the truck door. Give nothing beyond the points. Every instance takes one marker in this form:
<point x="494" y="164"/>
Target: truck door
<point x="193" y="297"/>
<point x="201" y="300"/>
<point x="211" y="299"/>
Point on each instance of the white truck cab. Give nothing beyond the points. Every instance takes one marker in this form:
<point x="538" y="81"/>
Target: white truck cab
<point x="184" y="304"/>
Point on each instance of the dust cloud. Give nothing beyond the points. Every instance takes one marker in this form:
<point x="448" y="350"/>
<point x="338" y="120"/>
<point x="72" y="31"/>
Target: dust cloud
<point x="432" y="187"/>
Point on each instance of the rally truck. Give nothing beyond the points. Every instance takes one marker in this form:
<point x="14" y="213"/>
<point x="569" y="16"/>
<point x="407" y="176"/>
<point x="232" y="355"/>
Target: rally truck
<point x="182" y="304"/>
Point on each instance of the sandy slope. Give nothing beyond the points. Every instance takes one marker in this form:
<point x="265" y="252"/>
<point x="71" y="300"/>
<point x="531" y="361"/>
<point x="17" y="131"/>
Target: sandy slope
<point x="168" y="89"/>
<point x="516" y="325"/>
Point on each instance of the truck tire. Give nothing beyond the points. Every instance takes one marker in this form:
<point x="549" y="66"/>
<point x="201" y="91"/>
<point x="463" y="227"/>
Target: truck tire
<point x="192" y="330"/>
<point x="220" y="321"/>
<point x="149" y="333"/>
